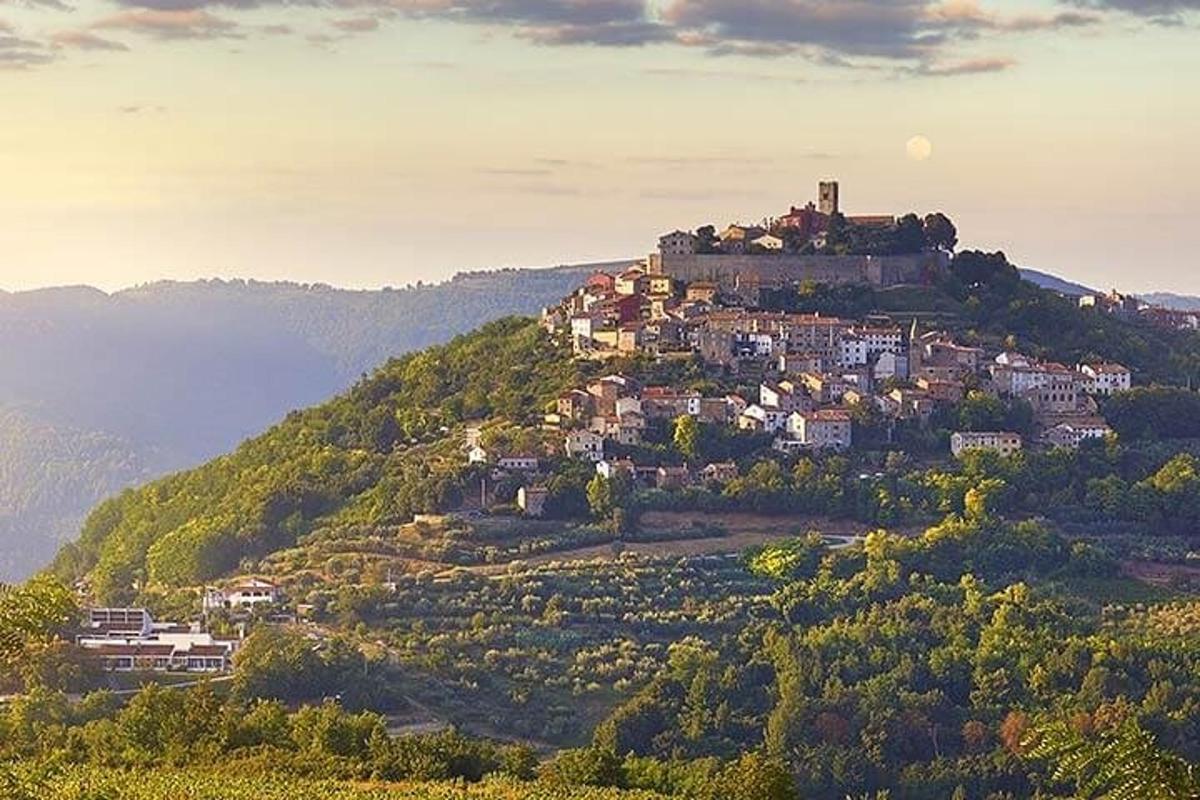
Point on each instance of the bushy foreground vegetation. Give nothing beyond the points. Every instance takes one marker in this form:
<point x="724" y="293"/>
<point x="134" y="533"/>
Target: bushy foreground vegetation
<point x="193" y="784"/>
<point x="957" y="664"/>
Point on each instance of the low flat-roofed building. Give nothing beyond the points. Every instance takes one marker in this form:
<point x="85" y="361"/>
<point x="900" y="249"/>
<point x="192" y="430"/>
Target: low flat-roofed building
<point x="1004" y="442"/>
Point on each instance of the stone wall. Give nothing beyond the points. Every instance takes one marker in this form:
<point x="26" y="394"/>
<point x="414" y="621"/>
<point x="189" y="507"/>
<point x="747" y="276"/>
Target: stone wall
<point x="739" y="273"/>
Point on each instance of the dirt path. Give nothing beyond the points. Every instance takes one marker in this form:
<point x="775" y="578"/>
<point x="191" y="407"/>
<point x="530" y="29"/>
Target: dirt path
<point x="737" y="522"/>
<point x="745" y="531"/>
<point x="1157" y="573"/>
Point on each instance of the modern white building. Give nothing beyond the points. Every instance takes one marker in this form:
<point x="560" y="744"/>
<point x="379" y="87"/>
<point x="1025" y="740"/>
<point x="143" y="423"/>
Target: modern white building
<point x="129" y="640"/>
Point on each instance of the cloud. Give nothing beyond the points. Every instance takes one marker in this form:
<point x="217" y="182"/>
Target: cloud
<point x="610" y="23"/>
<point x="193" y="24"/>
<point x="839" y="32"/>
<point x="967" y="16"/>
<point x="17" y="52"/>
<point x="914" y="37"/>
<point x="514" y="171"/>
<point x="612" y="34"/>
<point x="194" y="5"/>
<point x="1158" y="10"/>
<point x="356" y="24"/>
<point x="895" y="29"/>
<point x="974" y="66"/>
<point x="141" y="109"/>
<point x="84" y="40"/>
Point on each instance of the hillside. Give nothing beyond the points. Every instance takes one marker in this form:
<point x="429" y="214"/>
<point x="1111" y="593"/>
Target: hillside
<point x="901" y="621"/>
<point x="373" y="456"/>
<point x="172" y="374"/>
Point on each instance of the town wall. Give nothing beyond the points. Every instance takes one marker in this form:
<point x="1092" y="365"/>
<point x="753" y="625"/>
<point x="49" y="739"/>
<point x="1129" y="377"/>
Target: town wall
<point x="739" y="272"/>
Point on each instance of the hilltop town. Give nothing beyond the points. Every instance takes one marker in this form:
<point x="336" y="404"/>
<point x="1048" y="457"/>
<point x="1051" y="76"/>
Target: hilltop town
<point x="807" y="381"/>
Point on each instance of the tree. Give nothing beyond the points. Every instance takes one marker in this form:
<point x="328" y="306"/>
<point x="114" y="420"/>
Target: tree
<point x="909" y="236"/>
<point x="754" y="776"/>
<point x="30" y="618"/>
<point x="1124" y="763"/>
<point x="687" y="436"/>
<point x="706" y="239"/>
<point x="940" y="232"/>
<point x="981" y="411"/>
<point x="605" y="495"/>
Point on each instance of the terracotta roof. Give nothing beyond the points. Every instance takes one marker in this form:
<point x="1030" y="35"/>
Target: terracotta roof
<point x="1108" y="367"/>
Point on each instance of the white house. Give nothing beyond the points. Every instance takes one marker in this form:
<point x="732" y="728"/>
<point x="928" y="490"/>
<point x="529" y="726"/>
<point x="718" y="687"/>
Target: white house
<point x="880" y="340"/>
<point x="1072" y="434"/>
<point x="677" y="243"/>
<point x="611" y="469"/>
<point x="247" y="594"/>
<point x="828" y="428"/>
<point x="1105" y="378"/>
<point x="771" y="420"/>
<point x="891" y="365"/>
<point x="518" y="462"/>
<point x="586" y="445"/>
<point x="769" y="241"/>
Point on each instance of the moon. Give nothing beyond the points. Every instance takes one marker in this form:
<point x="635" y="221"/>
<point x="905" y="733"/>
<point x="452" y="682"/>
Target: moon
<point x="919" y="148"/>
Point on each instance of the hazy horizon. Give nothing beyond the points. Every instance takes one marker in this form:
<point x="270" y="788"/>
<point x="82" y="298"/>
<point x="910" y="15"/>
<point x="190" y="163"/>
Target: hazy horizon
<point x="117" y="289"/>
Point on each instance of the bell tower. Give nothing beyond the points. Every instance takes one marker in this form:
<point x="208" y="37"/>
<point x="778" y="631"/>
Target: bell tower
<point x="827" y="198"/>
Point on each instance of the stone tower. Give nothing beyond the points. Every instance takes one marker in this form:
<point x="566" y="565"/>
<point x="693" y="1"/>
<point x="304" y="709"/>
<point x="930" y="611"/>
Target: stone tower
<point x="827" y="198"/>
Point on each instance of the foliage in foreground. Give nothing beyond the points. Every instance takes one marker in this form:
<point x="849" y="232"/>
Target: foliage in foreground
<point x="90" y="783"/>
<point x="1122" y="763"/>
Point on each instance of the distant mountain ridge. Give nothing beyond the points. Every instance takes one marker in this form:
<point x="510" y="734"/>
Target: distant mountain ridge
<point x="101" y="391"/>
<point x="1178" y="302"/>
<point x="1054" y="283"/>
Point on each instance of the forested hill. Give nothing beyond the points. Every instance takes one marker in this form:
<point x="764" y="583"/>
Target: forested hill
<point x="372" y="457"/>
<point x="101" y="391"/>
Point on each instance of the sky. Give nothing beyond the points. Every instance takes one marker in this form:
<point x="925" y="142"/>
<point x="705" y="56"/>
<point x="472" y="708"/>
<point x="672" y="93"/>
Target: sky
<point x="369" y="143"/>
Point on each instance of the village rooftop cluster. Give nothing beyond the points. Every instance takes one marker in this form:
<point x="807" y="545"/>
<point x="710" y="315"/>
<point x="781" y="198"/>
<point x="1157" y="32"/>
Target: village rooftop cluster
<point x="815" y="369"/>
<point x="813" y="374"/>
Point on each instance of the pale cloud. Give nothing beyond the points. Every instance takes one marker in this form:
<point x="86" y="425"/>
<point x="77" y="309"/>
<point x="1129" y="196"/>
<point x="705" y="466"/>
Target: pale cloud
<point x="974" y="66"/>
<point x="17" y="52"/>
<point x="1170" y="11"/>
<point x="85" y="40"/>
<point x="159" y="24"/>
<point x="356" y="24"/>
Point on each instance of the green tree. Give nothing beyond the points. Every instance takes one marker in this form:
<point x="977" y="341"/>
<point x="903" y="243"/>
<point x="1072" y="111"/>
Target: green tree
<point x="1124" y="763"/>
<point x="687" y="436"/>
<point x="940" y="232"/>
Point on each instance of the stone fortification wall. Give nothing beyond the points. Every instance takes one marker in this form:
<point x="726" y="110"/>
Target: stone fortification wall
<point x="738" y="272"/>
